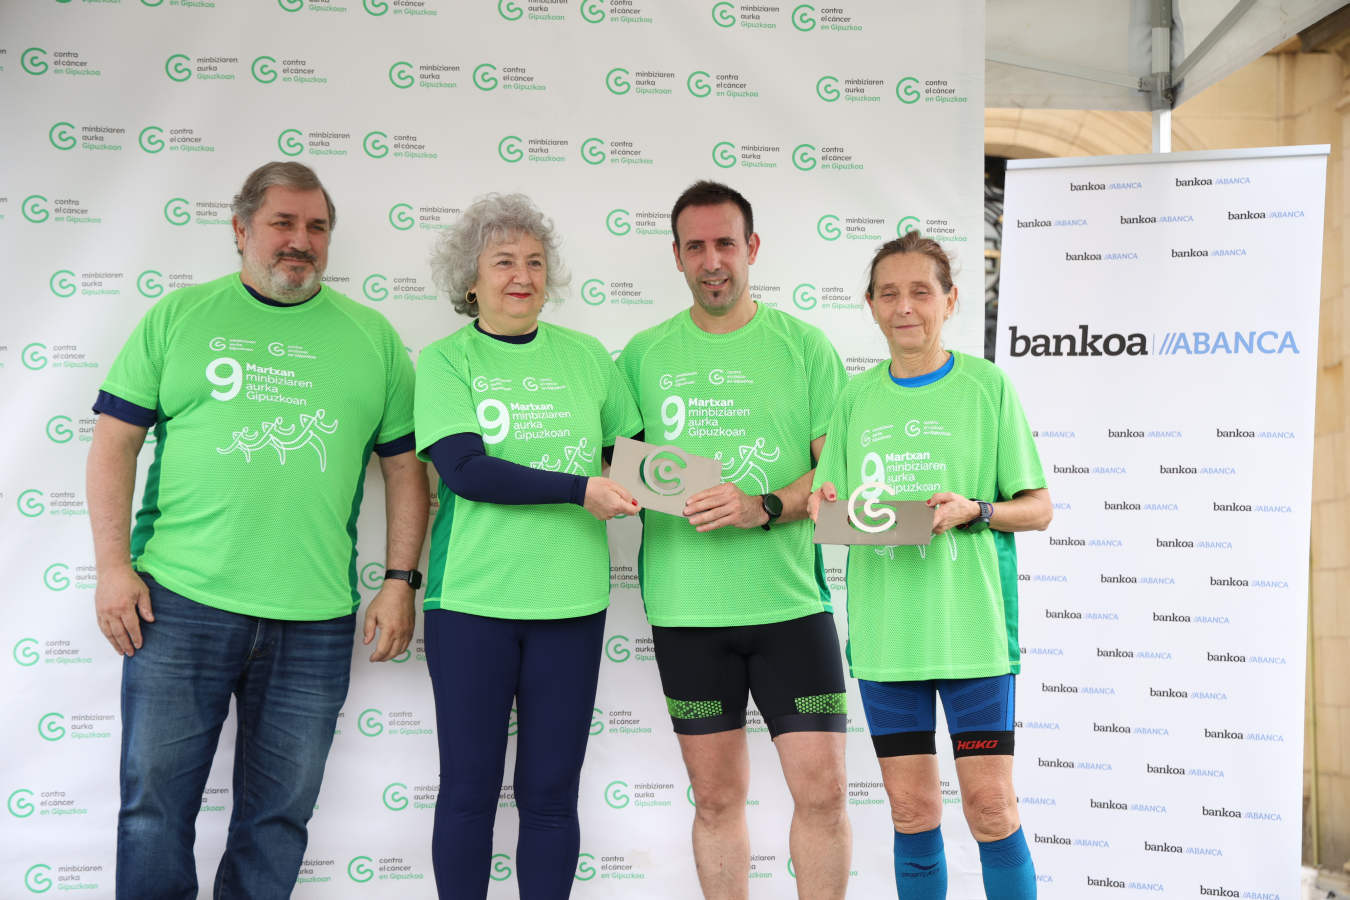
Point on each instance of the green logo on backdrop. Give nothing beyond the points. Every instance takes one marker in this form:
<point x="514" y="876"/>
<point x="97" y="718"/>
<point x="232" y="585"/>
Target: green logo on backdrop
<point x="394" y="798"/>
<point x="804" y="157"/>
<point x="21" y="803"/>
<point x="29" y="502"/>
<point x="62" y="136"/>
<point x="616" y="795"/>
<point x="374" y="145"/>
<point x="827" y="227"/>
<point x="152" y="3"/>
<point x="58" y="430"/>
<point x="177" y="68"/>
<point x="907" y="89"/>
<point x="585" y="869"/>
<point x="501" y="866"/>
<point x="792" y="869"/>
<point x="375" y="7"/>
<point x="509" y="10"/>
<point x="151" y="139"/>
<point x="616" y="648"/>
<point x="485" y="76"/>
<point x="803" y="18"/>
<point x="804" y="296"/>
<point x="176" y="211"/>
<point x="368" y="723"/>
<point x="617" y="222"/>
<point x="34" y="210"/>
<point x="400" y="216"/>
<point x="689" y="795"/>
<point x="724" y="154"/>
<point x="401" y="74"/>
<point x="372" y="573"/>
<point x="55" y="577"/>
<point x="61" y="283"/>
<point x="906" y="225"/>
<point x="508" y="148"/>
<point x="148" y="283"/>
<point x="593" y="11"/>
<point x="593" y="151"/>
<point x="34" y="60"/>
<point x="724" y="14"/>
<point x="513" y="723"/>
<point x="374" y="288"/>
<point x="593" y="291"/>
<point x="263" y="73"/>
<point x="698" y="83"/>
<point x="359" y="870"/>
<point x="616" y="80"/>
<point x="33" y="357"/>
<point x="827" y="88"/>
<point x="38" y="878"/>
<point x="597" y="720"/>
<point x="290" y="142"/>
<point x="50" y="727"/>
<point x="25" y="652"/>
<point x="291" y="5"/>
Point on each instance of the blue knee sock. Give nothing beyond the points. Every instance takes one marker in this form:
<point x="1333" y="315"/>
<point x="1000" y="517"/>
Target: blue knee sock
<point x="1007" y="869"/>
<point x="920" y="866"/>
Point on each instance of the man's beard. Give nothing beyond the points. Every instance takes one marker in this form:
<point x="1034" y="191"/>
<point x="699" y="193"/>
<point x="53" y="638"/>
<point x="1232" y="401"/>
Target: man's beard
<point x="279" y="285"/>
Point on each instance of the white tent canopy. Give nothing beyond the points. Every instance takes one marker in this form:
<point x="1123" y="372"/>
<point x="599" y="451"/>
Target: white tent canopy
<point x="1103" y="54"/>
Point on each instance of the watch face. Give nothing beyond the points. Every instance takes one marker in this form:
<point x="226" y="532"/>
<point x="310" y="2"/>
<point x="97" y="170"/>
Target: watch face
<point x="773" y="505"/>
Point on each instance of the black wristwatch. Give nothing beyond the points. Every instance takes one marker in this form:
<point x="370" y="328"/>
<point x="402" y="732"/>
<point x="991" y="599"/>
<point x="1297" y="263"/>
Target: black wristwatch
<point x="412" y="576"/>
<point x="773" y="507"/>
<point x="980" y="522"/>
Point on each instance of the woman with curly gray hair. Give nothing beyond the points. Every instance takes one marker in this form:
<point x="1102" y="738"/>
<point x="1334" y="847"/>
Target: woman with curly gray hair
<point x="513" y="413"/>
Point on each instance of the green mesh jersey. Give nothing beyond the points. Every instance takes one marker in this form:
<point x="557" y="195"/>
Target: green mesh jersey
<point x="266" y="419"/>
<point x="753" y="399"/>
<point x="550" y="404"/>
<point x="916" y="613"/>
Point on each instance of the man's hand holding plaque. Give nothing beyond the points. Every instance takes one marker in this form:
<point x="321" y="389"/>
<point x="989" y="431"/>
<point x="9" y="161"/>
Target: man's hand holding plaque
<point x="662" y="477"/>
<point x="864" y="518"/>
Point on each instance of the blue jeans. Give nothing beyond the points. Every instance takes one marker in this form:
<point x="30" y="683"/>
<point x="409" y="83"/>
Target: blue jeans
<point x="289" y="680"/>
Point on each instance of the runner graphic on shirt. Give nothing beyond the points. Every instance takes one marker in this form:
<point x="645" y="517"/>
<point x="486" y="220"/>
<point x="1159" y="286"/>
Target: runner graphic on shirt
<point x="547" y="463"/>
<point x="578" y="458"/>
<point x="284" y="438"/>
<point x="751" y="456"/>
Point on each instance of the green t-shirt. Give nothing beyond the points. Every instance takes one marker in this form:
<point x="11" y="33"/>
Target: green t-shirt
<point x="266" y="419"/>
<point x="753" y="399"/>
<point x="551" y="403"/>
<point x="917" y="613"/>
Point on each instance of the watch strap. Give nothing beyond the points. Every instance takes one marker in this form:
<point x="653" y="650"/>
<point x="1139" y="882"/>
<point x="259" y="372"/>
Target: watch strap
<point x="412" y="576"/>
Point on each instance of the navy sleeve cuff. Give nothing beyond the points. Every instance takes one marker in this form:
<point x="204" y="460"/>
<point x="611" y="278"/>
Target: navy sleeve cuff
<point x="398" y="445"/>
<point x="128" y="412"/>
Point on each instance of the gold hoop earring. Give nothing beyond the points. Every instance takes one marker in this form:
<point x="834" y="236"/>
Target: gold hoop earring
<point x="470" y="297"/>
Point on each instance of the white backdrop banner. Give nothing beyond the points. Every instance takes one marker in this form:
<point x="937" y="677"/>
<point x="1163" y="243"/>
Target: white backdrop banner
<point x="127" y="126"/>
<point x="1159" y="318"/>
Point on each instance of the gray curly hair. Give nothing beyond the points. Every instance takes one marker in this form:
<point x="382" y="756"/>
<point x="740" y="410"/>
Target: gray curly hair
<point x="492" y="217"/>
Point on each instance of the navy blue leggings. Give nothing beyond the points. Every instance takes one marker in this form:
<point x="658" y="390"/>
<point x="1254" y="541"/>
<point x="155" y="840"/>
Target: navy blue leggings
<point x="479" y="665"/>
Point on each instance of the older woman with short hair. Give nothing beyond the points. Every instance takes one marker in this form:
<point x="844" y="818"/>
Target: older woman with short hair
<point x="513" y="413"/>
<point x="940" y="426"/>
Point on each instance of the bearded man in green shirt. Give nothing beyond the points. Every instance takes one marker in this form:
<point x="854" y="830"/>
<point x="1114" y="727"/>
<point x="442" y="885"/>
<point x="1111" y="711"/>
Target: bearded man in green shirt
<point x="734" y="588"/>
<point x="267" y="391"/>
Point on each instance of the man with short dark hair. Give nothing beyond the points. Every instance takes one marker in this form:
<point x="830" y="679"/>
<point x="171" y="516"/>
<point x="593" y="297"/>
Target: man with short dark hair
<point x="267" y="391"/>
<point x="735" y="590"/>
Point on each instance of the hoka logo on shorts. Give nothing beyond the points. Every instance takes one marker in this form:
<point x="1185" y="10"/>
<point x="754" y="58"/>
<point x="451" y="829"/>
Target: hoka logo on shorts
<point x="284" y="438"/>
